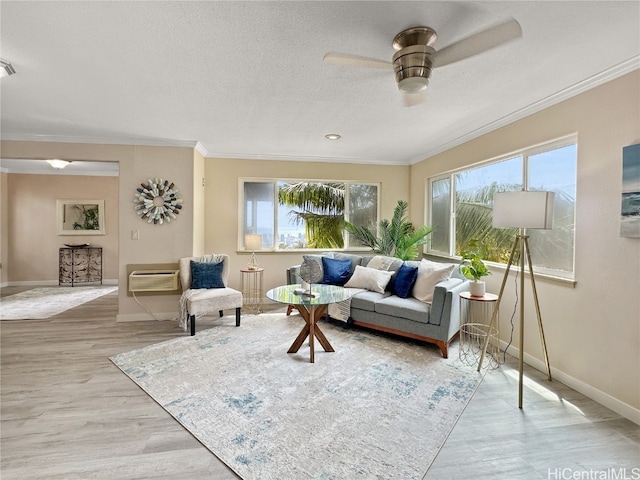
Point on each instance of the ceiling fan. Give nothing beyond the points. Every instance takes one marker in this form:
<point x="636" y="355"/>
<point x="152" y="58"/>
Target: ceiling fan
<point x="415" y="56"/>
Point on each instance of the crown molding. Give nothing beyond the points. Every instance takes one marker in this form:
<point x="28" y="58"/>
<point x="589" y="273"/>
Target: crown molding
<point x="305" y="158"/>
<point x="201" y="149"/>
<point x="97" y="140"/>
<point x="596" y="80"/>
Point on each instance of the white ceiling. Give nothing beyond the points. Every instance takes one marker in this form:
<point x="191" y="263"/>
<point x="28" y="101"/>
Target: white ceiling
<point x="247" y="80"/>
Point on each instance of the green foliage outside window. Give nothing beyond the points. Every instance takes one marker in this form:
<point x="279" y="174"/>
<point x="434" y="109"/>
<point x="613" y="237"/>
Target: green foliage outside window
<point x="320" y="208"/>
<point x="395" y="238"/>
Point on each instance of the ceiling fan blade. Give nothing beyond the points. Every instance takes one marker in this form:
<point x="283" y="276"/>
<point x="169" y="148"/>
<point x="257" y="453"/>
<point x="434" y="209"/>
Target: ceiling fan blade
<point x="414" y="99"/>
<point x="478" y="43"/>
<point x="356" y="61"/>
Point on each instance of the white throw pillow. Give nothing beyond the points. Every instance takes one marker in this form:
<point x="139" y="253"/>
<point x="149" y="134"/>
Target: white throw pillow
<point x="429" y="275"/>
<point x="369" y="279"/>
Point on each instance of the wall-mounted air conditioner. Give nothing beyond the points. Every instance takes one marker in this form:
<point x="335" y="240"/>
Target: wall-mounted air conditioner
<point x="153" y="280"/>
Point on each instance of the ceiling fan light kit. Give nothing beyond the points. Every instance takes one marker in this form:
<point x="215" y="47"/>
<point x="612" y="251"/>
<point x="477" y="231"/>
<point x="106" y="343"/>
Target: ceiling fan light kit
<point x="412" y="65"/>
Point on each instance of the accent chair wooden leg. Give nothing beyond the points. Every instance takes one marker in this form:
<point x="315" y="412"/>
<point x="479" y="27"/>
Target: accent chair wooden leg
<point x="192" y="321"/>
<point x="289" y="310"/>
<point x="238" y="316"/>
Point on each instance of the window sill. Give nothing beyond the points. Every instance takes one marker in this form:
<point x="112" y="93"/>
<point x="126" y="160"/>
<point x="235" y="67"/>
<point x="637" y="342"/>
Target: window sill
<point x="515" y="269"/>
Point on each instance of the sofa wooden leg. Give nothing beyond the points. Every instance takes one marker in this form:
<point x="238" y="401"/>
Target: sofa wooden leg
<point x="238" y="316"/>
<point x="444" y="348"/>
<point x="192" y="321"/>
<point x="221" y="313"/>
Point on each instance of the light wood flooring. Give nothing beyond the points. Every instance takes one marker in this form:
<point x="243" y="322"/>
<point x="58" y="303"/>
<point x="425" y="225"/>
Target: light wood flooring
<point x="68" y="413"/>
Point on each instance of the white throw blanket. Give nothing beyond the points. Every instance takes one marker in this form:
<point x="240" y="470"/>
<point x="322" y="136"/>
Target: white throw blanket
<point x="342" y="310"/>
<point x="213" y="258"/>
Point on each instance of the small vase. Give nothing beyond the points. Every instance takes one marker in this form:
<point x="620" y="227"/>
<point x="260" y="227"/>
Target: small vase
<point x="477" y="288"/>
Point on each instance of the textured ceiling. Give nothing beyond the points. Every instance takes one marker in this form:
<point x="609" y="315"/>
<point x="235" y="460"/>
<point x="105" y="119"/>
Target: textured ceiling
<point x="247" y="80"/>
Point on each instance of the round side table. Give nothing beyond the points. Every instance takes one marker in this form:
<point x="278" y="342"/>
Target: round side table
<point x="475" y="317"/>
<point x="251" y="288"/>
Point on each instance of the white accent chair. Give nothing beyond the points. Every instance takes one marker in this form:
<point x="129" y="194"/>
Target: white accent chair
<point x="202" y="301"/>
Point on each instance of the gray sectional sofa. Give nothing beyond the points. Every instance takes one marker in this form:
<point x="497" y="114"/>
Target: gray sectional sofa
<point x="437" y="322"/>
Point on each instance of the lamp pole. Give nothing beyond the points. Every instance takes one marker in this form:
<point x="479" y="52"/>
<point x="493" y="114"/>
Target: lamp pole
<point x="521" y="244"/>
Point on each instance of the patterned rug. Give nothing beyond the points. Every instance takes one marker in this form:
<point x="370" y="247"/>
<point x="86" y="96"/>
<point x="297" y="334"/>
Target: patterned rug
<point x="46" y="302"/>
<point x="376" y="408"/>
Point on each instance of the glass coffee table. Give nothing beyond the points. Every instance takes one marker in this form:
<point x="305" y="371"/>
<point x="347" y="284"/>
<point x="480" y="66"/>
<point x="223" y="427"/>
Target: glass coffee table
<point x="311" y="308"/>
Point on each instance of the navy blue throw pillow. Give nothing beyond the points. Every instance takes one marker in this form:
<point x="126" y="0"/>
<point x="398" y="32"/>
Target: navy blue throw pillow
<point x="336" y="272"/>
<point x="405" y="278"/>
<point x="206" y="275"/>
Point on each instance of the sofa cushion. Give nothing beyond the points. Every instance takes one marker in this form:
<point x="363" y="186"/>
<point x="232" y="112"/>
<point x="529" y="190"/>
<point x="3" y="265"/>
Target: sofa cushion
<point x="429" y="275"/>
<point x="206" y="275"/>
<point x="355" y="259"/>
<point x="409" y="308"/>
<point x="370" y="279"/>
<point x="404" y="281"/>
<point x="367" y="300"/>
<point x="335" y="271"/>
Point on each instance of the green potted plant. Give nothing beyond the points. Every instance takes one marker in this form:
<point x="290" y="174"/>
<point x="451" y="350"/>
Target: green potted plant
<point x="474" y="269"/>
<point x="396" y="238"/>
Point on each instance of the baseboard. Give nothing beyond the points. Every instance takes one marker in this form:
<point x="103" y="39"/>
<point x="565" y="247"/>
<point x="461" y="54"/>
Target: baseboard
<point x="612" y="403"/>
<point x="145" y="317"/>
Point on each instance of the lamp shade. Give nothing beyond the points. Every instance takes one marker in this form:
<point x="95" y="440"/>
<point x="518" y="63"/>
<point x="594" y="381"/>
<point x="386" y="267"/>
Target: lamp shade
<point x="253" y="241"/>
<point x="523" y="210"/>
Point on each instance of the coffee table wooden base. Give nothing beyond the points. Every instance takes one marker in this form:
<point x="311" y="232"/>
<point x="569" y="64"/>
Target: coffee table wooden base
<point x="311" y="330"/>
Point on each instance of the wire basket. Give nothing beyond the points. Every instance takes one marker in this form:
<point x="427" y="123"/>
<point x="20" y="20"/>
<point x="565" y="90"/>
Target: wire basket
<point x="472" y="338"/>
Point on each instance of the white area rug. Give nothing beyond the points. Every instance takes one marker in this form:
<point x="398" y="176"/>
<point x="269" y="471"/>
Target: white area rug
<point x="46" y="302"/>
<point x="376" y="408"/>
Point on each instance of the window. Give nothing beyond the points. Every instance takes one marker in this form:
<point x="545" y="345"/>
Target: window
<point x="292" y="214"/>
<point x="461" y="206"/>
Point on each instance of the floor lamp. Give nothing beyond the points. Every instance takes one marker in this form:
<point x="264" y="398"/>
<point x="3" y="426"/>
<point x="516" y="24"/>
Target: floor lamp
<point x="521" y="210"/>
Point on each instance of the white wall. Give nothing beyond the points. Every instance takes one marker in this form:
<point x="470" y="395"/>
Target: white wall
<point x="592" y="330"/>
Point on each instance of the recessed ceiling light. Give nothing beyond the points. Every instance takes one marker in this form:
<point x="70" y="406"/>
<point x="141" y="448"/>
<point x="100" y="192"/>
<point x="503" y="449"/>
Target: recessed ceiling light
<point x="56" y="163"/>
<point x="6" y="69"/>
<point x="332" y="136"/>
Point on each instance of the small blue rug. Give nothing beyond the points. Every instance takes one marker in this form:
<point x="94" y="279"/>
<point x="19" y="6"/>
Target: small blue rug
<point x="377" y="408"/>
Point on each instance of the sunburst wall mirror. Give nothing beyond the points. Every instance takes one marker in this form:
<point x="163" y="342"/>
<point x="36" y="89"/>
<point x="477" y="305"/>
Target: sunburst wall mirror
<point x="158" y="201"/>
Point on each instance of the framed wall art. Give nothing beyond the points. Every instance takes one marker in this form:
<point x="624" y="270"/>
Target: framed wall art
<point x="80" y="217"/>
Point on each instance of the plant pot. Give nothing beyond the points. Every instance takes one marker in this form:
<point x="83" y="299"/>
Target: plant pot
<point x="477" y="288"/>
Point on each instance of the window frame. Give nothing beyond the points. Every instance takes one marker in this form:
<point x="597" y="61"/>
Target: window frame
<point x="274" y="181"/>
<point x="524" y="154"/>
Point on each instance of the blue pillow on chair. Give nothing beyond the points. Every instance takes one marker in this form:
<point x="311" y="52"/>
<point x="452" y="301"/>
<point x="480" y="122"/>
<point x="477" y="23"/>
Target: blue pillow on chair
<point x="336" y="272"/>
<point x="206" y="275"/>
<point x="405" y="278"/>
